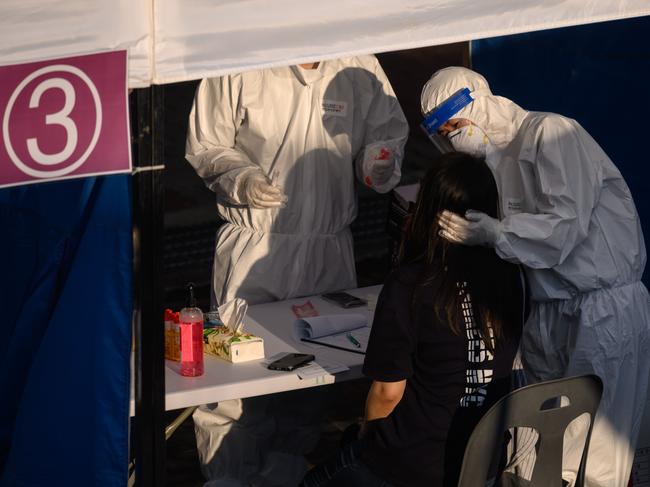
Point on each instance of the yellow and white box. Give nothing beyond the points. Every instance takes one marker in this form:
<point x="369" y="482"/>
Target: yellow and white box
<point x="234" y="347"/>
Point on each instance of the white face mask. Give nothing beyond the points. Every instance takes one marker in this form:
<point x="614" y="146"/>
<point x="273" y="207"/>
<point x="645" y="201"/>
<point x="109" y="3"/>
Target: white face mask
<point x="470" y="139"/>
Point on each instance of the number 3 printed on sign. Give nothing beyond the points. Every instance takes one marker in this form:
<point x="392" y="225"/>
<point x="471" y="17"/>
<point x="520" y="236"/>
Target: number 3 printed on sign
<point x="62" y="118"/>
<point x="58" y="118"/>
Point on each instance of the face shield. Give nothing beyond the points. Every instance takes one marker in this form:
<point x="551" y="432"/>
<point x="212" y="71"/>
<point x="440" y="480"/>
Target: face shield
<point x="441" y="114"/>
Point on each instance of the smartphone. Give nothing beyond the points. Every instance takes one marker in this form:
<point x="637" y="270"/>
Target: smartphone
<point x="291" y="361"/>
<point x="343" y="299"/>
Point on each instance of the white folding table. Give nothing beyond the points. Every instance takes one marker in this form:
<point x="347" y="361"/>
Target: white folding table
<point x="274" y="323"/>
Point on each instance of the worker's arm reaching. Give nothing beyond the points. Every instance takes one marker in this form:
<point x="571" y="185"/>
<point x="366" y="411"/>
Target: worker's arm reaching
<point x="210" y="147"/>
<point x="568" y="181"/>
<point x="378" y="164"/>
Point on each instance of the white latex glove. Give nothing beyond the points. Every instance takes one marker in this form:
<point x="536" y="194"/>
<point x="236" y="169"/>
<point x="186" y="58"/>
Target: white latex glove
<point x="257" y="192"/>
<point x="383" y="166"/>
<point x="382" y="170"/>
<point x="475" y="229"/>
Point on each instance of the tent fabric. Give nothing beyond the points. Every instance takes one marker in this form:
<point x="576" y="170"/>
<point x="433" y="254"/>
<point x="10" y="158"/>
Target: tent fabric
<point x="66" y="296"/>
<point x="177" y="40"/>
<point x="215" y="37"/>
<point x="34" y="30"/>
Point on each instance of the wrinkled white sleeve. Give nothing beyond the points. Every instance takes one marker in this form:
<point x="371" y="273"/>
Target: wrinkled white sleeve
<point x="386" y="128"/>
<point x="210" y="146"/>
<point x="567" y="181"/>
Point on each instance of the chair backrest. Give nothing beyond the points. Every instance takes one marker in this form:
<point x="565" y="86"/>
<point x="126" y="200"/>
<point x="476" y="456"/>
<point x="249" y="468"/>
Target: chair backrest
<point x="523" y="408"/>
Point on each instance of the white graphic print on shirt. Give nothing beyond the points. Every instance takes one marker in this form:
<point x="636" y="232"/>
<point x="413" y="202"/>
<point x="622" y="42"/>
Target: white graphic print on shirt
<point x="476" y="379"/>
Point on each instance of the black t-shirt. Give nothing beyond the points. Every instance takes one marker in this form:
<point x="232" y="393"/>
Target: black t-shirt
<point x="451" y="381"/>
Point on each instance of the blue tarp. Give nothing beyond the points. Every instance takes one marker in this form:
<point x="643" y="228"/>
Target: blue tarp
<point x="597" y="74"/>
<point x="66" y="297"/>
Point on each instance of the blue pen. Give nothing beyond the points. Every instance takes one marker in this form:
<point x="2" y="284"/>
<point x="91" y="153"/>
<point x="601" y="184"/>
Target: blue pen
<point x="353" y="340"/>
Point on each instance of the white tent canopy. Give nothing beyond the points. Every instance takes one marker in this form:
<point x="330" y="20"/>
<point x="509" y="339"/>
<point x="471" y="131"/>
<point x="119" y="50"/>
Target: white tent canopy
<point x="33" y="30"/>
<point x="177" y="40"/>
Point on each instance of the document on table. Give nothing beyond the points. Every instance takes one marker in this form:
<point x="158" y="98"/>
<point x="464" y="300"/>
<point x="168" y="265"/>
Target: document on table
<point x="349" y="332"/>
<point x="330" y="366"/>
<point x="310" y="370"/>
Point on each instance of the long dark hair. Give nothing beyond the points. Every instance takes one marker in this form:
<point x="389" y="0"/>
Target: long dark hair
<point x="459" y="182"/>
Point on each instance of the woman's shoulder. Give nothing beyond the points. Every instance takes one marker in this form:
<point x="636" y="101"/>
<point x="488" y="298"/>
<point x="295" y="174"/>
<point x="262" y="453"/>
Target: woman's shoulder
<point x="408" y="280"/>
<point x="407" y="275"/>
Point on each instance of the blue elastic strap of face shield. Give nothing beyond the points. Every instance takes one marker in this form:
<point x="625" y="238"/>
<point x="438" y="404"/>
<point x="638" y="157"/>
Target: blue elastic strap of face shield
<point x="447" y="109"/>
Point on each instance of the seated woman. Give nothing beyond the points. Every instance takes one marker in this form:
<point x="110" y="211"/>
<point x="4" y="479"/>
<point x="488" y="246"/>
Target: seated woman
<point x="445" y="333"/>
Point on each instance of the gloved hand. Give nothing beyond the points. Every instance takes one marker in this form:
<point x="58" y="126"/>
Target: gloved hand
<point x="383" y="167"/>
<point x="257" y="192"/>
<point x="476" y="228"/>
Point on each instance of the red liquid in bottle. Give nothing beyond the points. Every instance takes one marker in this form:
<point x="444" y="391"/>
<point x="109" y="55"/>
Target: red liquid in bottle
<point x="191" y="342"/>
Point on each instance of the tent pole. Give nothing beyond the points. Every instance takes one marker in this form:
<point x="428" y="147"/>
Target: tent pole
<point x="148" y="208"/>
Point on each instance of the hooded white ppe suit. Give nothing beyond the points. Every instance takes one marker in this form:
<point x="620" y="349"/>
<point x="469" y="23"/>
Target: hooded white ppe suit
<point x="309" y="132"/>
<point x="568" y="216"/>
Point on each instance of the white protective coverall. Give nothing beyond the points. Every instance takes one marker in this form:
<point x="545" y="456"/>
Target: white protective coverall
<point x="569" y="217"/>
<point x="310" y="131"/>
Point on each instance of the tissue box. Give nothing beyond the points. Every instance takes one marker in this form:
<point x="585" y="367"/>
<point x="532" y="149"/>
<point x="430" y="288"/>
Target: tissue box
<point x="221" y="341"/>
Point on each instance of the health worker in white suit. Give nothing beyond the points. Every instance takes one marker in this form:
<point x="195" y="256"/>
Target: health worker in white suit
<point x="246" y="134"/>
<point x="281" y="148"/>
<point x="568" y="216"/>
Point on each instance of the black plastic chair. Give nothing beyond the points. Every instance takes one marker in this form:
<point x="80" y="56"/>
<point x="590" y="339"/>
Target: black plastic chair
<point x="529" y="407"/>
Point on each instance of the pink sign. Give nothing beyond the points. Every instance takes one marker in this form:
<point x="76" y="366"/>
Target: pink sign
<point x="64" y="118"/>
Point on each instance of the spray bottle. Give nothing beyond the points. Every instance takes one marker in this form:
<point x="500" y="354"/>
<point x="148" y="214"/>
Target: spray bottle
<point x="191" y="319"/>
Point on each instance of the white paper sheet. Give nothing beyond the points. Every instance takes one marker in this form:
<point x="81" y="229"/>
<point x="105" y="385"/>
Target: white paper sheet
<point x="311" y="370"/>
<point x="346" y="331"/>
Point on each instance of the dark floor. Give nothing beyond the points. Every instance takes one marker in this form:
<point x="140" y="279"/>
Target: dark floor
<point x="182" y="460"/>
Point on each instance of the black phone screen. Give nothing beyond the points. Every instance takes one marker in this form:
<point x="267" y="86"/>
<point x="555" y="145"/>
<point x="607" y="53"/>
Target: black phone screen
<point x="291" y="361"/>
<point x="344" y="299"/>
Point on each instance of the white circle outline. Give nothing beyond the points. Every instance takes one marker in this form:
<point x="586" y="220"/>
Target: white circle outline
<point x="93" y="142"/>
